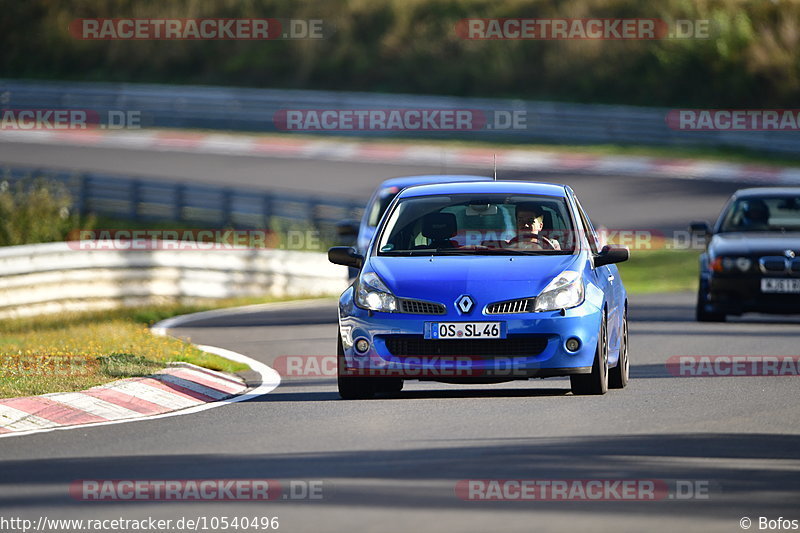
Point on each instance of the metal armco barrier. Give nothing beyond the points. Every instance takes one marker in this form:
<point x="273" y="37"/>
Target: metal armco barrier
<point x="55" y="277"/>
<point x="226" y="108"/>
<point x="135" y="199"/>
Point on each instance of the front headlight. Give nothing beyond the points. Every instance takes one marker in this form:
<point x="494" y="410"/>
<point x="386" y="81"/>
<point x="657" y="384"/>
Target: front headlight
<point x="565" y="291"/>
<point x="373" y="294"/>
<point x="743" y="263"/>
<point x="728" y="264"/>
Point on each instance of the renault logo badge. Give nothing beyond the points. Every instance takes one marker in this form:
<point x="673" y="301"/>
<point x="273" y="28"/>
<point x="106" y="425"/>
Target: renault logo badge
<point x="789" y="253"/>
<point x="464" y="304"/>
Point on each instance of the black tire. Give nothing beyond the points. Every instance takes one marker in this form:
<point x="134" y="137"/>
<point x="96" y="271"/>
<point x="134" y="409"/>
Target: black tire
<point x="701" y="315"/>
<point x="352" y="387"/>
<point x="596" y="382"/>
<point x="619" y="376"/>
<point x="390" y="385"/>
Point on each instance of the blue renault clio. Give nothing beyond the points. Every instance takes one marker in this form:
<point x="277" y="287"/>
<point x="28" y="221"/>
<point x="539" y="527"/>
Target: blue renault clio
<point x="483" y="282"/>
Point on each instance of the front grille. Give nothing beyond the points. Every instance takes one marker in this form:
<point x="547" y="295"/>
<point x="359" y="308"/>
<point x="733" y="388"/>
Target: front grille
<point x="510" y="307"/>
<point x="418" y="346"/>
<point x="774" y="264"/>
<point x="419" y="307"/>
<point x="795" y="268"/>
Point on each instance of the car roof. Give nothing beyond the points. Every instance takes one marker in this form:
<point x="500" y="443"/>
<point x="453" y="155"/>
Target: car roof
<point x="409" y="181"/>
<point x="487" y="187"/>
<point x="767" y="191"/>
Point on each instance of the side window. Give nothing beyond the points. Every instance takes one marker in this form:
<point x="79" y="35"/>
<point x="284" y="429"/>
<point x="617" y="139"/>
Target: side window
<point x="591" y="236"/>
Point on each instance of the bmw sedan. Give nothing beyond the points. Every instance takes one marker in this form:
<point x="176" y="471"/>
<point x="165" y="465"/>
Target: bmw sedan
<point x="751" y="262"/>
<point x="483" y="282"/>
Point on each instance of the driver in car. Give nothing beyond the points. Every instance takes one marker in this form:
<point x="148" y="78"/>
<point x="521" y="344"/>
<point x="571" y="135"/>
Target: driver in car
<point x="530" y="221"/>
<point x="756" y="215"/>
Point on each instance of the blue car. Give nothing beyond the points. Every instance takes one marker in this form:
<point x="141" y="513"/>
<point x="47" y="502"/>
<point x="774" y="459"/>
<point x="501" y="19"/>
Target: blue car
<point x="482" y="282"/>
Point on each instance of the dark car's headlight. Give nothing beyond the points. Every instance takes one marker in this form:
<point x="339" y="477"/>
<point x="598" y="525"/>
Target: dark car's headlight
<point x="373" y="294"/>
<point x="565" y="291"/>
<point x="731" y="264"/>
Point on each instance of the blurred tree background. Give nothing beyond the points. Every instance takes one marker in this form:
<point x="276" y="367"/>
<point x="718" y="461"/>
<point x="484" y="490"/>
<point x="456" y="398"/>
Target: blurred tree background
<point x="752" y="58"/>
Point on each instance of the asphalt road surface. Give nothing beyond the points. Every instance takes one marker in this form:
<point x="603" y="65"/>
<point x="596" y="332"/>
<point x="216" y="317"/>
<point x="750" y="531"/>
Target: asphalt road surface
<point x="392" y="464"/>
<point x="725" y="448"/>
<point x="624" y="202"/>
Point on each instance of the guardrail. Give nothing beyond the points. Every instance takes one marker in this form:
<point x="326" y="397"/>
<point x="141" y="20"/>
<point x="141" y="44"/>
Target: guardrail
<point x="52" y="277"/>
<point x="254" y="110"/>
<point x="136" y="199"/>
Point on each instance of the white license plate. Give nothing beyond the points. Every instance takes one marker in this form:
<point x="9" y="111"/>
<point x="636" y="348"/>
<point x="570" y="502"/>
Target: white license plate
<point x="781" y="286"/>
<point x="465" y="330"/>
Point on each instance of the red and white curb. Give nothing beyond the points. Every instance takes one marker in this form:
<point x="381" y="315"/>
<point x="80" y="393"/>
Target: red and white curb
<point x="180" y="389"/>
<point x="286" y="146"/>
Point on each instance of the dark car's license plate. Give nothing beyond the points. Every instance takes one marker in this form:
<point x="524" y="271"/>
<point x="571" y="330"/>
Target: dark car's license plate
<point x="780" y="286"/>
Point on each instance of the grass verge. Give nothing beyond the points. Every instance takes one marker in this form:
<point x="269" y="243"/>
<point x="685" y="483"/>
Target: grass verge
<point x="69" y="352"/>
<point x="650" y="271"/>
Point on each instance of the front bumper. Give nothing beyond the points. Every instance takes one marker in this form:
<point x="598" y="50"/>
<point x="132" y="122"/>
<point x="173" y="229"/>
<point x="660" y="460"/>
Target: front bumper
<point x="736" y="294"/>
<point x="545" y="333"/>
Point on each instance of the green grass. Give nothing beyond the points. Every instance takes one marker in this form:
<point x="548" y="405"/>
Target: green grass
<point x="68" y="352"/>
<point x="650" y="271"/>
<point x="75" y="357"/>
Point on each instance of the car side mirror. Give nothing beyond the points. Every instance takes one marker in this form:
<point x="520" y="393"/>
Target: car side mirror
<point x="700" y="228"/>
<point x="610" y="255"/>
<point x="345" y="256"/>
<point x="347" y="228"/>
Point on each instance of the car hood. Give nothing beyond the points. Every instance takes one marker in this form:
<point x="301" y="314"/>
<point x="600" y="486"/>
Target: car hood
<point x="487" y="278"/>
<point x="754" y="243"/>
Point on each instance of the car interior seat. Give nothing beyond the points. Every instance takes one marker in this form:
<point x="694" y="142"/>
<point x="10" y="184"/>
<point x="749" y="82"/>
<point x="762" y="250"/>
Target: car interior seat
<point x="439" y="228"/>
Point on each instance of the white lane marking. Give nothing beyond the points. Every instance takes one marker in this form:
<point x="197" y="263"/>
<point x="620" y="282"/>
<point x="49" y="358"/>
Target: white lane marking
<point x="16" y="420"/>
<point x="270" y="380"/>
<point x="93" y="406"/>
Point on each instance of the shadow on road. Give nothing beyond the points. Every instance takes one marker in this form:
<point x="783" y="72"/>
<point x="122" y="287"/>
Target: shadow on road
<point x="416" y="478"/>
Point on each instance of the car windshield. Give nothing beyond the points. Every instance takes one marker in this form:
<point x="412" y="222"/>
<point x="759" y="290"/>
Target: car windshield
<point x="492" y="224"/>
<point x="763" y="213"/>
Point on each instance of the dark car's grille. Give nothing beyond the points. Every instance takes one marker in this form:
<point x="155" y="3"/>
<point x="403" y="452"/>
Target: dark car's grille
<point x="774" y="264"/>
<point x="418" y="346"/>
<point x="795" y="267"/>
<point x="419" y="307"/>
<point x="510" y="307"/>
